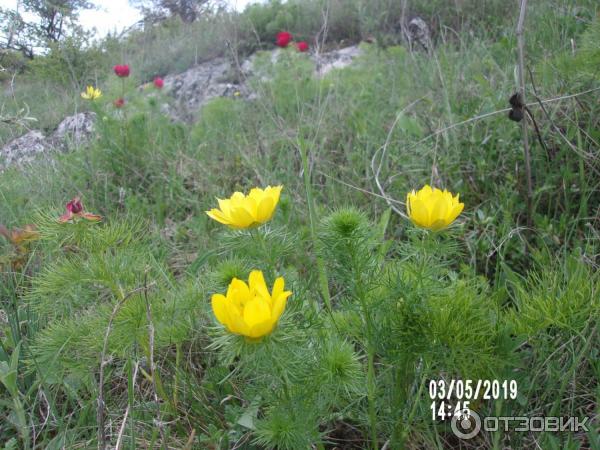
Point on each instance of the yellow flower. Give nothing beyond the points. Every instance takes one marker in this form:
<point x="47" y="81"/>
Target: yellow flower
<point x="246" y="211"/>
<point x="91" y="93"/>
<point x="248" y="309"/>
<point x="433" y="208"/>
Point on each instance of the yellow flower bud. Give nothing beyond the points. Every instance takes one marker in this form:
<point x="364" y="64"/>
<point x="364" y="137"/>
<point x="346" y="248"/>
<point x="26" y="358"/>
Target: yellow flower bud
<point x="433" y="208"/>
<point x="249" y="309"/>
<point x="247" y="211"/>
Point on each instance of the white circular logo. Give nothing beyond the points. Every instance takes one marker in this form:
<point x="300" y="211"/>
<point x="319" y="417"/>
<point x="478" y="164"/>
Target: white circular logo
<point x="466" y="424"/>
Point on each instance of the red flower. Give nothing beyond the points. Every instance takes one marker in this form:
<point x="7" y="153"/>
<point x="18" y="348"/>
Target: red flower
<point x="75" y="206"/>
<point x="302" y="46"/>
<point x="119" y="102"/>
<point x="75" y="209"/>
<point x="159" y="82"/>
<point x="121" y="70"/>
<point x="283" y="39"/>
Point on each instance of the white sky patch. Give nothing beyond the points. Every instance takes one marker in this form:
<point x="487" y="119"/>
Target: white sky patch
<point x="116" y="15"/>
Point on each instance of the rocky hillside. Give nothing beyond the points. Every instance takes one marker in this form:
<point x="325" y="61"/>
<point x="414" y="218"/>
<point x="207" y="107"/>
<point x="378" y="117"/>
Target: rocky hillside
<point x="189" y="91"/>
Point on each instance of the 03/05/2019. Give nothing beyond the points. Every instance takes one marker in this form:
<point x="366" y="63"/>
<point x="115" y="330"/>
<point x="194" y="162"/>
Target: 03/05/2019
<point x="473" y="389"/>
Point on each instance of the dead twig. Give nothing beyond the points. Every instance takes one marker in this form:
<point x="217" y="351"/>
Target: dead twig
<point x="158" y="419"/>
<point x="526" y="151"/>
<point x="190" y="442"/>
<point x="122" y="429"/>
<point x="499" y="111"/>
<point x="100" y="411"/>
<point x="383" y="150"/>
<point x="582" y="153"/>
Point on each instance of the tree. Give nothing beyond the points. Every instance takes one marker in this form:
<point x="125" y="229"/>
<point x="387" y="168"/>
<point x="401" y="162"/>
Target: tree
<point x="187" y="10"/>
<point x="15" y="33"/>
<point x="52" y="20"/>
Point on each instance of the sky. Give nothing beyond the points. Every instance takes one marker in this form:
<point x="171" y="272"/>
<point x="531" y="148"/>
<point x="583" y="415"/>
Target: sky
<point x="114" y="15"/>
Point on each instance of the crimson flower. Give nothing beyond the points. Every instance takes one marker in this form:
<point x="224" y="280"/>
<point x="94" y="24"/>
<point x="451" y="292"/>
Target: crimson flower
<point x="302" y="46"/>
<point x="159" y="82"/>
<point x="121" y="70"/>
<point x="119" y="102"/>
<point x="283" y="39"/>
<point x="75" y="209"/>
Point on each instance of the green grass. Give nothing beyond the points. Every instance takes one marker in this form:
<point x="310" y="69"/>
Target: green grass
<point x="379" y="308"/>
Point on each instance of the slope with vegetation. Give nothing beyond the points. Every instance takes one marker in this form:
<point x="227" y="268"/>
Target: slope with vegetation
<point x="108" y="337"/>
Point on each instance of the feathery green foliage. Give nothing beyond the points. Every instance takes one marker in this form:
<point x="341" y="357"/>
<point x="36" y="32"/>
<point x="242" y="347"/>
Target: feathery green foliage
<point x="130" y="296"/>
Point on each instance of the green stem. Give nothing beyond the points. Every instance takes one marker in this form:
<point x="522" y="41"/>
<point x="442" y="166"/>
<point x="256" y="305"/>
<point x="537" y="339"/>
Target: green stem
<point x="371" y="383"/>
<point x="124" y="117"/>
<point x="322" y="272"/>
<point x="259" y="237"/>
<point x="371" y="387"/>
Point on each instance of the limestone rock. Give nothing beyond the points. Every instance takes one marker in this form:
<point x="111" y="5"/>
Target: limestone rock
<point x="23" y="149"/>
<point x="418" y="33"/>
<point x="337" y="59"/>
<point x="190" y="90"/>
<point x="197" y="85"/>
<point x="75" y="129"/>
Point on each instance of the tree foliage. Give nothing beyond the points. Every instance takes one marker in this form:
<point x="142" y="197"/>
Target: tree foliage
<point x="187" y="10"/>
<point x="50" y="22"/>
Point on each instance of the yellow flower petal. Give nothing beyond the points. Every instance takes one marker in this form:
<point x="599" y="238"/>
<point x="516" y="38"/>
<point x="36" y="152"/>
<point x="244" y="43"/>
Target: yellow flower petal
<point x="224" y="206"/>
<point x="455" y="212"/>
<point x="419" y="213"/>
<point x="246" y="211"/>
<point x="265" y="210"/>
<point x="237" y="324"/>
<point x="257" y="284"/>
<point x="256" y="312"/>
<point x="261" y="329"/>
<point x="241" y="218"/>
<point x="248" y="309"/>
<point x="238" y="292"/>
<point x="278" y="287"/>
<point x="91" y="93"/>
<point x="217" y="215"/>
<point x="219" y="306"/>
<point x="439" y="209"/>
<point x="433" y="208"/>
<point x="279" y="303"/>
<point x="257" y="194"/>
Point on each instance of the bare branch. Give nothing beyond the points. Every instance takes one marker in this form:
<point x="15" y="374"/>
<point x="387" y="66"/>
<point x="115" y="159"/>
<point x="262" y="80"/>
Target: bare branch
<point x="526" y="152"/>
<point x="153" y="375"/>
<point x="122" y="429"/>
<point x="100" y="410"/>
<point x="383" y="150"/>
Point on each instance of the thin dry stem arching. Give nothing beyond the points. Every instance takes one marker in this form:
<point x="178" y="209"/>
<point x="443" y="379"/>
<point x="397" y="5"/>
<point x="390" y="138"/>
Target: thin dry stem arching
<point x="526" y="150"/>
<point x="587" y="157"/>
<point x="499" y="111"/>
<point x="100" y="411"/>
<point x="122" y="429"/>
<point x="390" y="200"/>
<point x="321" y="37"/>
<point x="158" y="418"/>
<point x="383" y="150"/>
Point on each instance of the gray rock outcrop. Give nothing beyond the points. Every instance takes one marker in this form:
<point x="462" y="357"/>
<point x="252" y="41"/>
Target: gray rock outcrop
<point x="196" y="86"/>
<point x="190" y="91"/>
<point x="74" y="130"/>
<point x="23" y="149"/>
<point x="337" y="59"/>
